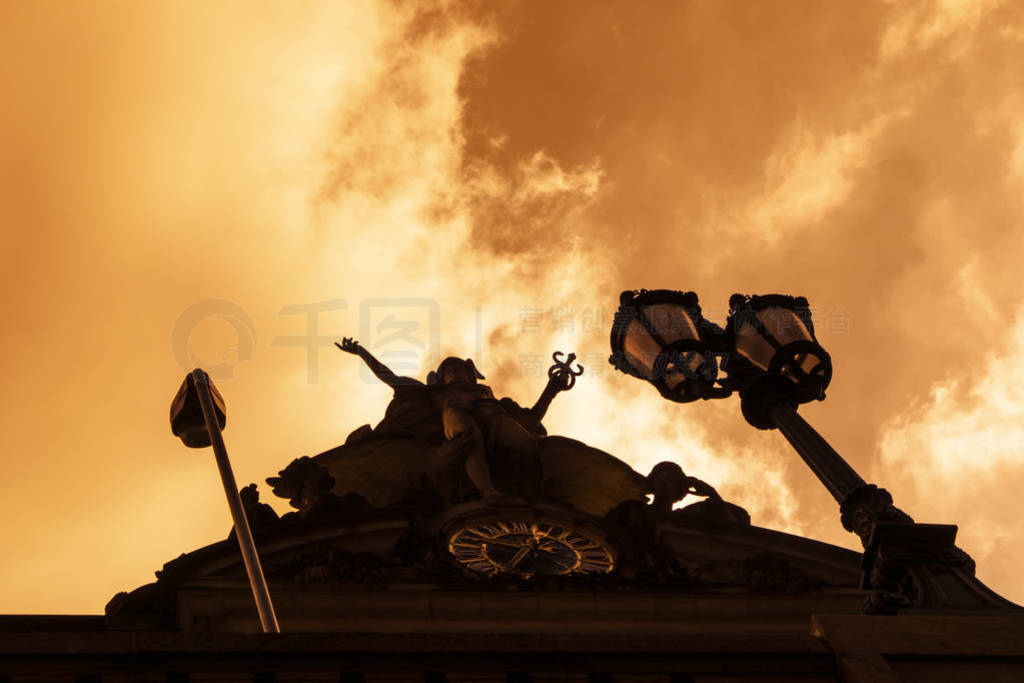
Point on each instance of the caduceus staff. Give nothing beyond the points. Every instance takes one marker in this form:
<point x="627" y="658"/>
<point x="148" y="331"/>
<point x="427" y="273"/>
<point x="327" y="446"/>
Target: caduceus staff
<point x="562" y="372"/>
<point x="561" y="377"/>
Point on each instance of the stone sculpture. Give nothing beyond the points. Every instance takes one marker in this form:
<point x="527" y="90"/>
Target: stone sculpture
<point x="495" y="440"/>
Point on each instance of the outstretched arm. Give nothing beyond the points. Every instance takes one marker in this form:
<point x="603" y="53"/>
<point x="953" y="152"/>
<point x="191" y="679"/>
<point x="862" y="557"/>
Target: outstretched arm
<point x="383" y="372"/>
<point x="540" y="408"/>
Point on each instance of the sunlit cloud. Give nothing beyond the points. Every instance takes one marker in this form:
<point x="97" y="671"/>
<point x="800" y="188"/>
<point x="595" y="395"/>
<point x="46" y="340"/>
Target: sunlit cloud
<point x="918" y="27"/>
<point x="517" y="169"/>
<point x="957" y="456"/>
<point x="807" y="176"/>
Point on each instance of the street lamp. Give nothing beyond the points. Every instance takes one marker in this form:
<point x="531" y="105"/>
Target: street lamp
<point x="775" y="333"/>
<point x="770" y="356"/>
<point x="197" y="417"/>
<point x="658" y="337"/>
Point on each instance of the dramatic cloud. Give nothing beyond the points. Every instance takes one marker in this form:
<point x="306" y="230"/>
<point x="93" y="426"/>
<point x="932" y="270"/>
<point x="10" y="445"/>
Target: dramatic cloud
<point x="868" y="158"/>
<point x="497" y="174"/>
<point x="957" y="455"/>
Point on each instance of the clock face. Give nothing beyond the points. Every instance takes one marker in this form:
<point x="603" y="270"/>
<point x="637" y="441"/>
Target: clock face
<point x="525" y="548"/>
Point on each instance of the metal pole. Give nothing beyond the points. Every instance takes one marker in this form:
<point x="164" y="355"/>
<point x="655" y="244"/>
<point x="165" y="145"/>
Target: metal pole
<point x="834" y="472"/>
<point x="268" y="619"/>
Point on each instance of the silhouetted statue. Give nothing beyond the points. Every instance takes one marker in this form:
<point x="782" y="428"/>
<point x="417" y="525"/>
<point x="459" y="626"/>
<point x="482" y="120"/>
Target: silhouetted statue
<point x="259" y="515"/>
<point x="496" y="439"/>
<point x="448" y="441"/>
<point x="307" y="486"/>
<point x="670" y="485"/>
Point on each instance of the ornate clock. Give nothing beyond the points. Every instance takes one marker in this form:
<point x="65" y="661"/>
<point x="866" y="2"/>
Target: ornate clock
<point x="525" y="547"/>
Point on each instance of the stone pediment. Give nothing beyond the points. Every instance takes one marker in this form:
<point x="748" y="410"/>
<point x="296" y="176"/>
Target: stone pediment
<point x="307" y="560"/>
<point x="390" y="548"/>
<point x="393" y="546"/>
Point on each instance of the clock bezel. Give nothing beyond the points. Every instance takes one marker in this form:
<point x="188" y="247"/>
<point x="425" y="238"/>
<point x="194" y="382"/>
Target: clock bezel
<point x="469" y="516"/>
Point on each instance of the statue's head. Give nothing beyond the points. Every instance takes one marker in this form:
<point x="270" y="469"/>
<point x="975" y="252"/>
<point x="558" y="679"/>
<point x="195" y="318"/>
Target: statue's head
<point x="303" y="482"/>
<point x="454" y="370"/>
<point x="668" y="483"/>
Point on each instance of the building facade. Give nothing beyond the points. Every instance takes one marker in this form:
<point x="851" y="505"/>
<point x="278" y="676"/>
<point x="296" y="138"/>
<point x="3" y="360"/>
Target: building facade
<point x="410" y="557"/>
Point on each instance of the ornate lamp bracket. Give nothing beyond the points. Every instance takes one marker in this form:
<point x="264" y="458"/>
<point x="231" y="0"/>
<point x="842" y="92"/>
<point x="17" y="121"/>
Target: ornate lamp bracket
<point x="866" y="506"/>
<point x="910" y="567"/>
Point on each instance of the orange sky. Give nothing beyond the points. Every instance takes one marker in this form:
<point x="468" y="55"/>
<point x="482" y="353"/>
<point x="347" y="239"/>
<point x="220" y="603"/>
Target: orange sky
<point x="497" y="177"/>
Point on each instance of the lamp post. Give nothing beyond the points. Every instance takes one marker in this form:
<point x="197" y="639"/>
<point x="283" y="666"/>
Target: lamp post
<point x="197" y="418"/>
<point x="771" y="357"/>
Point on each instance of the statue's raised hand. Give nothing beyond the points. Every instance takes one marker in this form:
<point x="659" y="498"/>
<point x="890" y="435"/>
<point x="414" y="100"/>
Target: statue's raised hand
<point x="348" y="344"/>
<point x="381" y="371"/>
<point x="700" y="488"/>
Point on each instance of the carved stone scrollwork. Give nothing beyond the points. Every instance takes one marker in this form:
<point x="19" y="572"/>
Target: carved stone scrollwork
<point x="918" y="567"/>
<point x="325" y="565"/>
<point x="867" y="505"/>
<point x="645" y="561"/>
<point x="769" y="573"/>
<point x="910" y="566"/>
